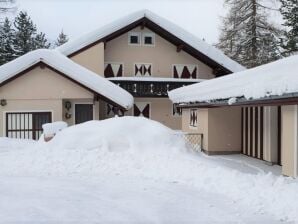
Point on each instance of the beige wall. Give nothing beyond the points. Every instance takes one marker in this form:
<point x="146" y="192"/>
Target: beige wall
<point x="221" y="128"/>
<point x="92" y="58"/>
<point x="162" y="56"/>
<point x="41" y="90"/>
<point x="289" y="140"/>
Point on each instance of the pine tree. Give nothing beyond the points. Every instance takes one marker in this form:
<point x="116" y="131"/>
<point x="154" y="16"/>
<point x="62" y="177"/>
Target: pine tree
<point x="25" y="34"/>
<point x="62" y="39"/>
<point x="40" y="41"/>
<point x="247" y="36"/>
<point x="289" y="11"/>
<point x="6" y="42"/>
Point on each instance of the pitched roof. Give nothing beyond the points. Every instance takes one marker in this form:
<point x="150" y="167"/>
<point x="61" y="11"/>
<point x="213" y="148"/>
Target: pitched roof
<point x="70" y="69"/>
<point x="210" y="53"/>
<point x="275" y="79"/>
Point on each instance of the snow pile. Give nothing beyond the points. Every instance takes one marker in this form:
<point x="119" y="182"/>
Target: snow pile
<point x="200" y="45"/>
<point x="8" y="144"/>
<point x="141" y="149"/>
<point x="273" y="79"/>
<point x="74" y="71"/>
<point x="50" y="129"/>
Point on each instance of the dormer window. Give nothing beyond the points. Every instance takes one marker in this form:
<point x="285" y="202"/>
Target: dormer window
<point x="148" y="39"/>
<point x="134" y="38"/>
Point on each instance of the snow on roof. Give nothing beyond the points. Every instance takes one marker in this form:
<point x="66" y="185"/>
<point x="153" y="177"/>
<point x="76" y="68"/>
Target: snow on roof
<point x="71" y="69"/>
<point x="200" y="45"/>
<point x="154" y="79"/>
<point x="273" y="79"/>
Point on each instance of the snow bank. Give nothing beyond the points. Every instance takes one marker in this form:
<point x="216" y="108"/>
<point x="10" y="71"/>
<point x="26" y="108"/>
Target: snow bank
<point x="273" y="79"/>
<point x="200" y="45"/>
<point x="71" y="69"/>
<point x="50" y="129"/>
<point x="139" y="148"/>
<point x="9" y="144"/>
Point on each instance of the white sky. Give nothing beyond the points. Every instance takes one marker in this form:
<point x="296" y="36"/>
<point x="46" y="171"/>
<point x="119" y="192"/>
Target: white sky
<point x="75" y="17"/>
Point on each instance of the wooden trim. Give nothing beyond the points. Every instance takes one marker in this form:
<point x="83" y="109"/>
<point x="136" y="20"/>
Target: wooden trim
<point x="262" y="133"/>
<point x="44" y="65"/>
<point x="256" y="132"/>
<point x="246" y="131"/>
<point x="213" y="153"/>
<point x="279" y="136"/>
<point x="242" y="132"/>
<point x="251" y="132"/>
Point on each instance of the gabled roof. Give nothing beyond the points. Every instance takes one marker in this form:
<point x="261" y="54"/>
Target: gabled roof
<point x="71" y="70"/>
<point x="177" y="35"/>
<point x="276" y="80"/>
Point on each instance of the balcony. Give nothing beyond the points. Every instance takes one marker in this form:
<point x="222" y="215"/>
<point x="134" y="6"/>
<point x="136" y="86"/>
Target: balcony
<point x="151" y="87"/>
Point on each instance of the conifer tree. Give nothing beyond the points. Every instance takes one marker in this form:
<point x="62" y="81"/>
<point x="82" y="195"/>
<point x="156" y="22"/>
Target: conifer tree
<point x="62" y="39"/>
<point x="6" y="42"/>
<point x="25" y="34"/>
<point x="40" y="41"/>
<point x="289" y="11"/>
<point x="247" y="36"/>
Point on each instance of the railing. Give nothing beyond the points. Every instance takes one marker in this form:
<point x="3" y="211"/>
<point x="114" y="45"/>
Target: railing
<point x="150" y="88"/>
<point x="193" y="140"/>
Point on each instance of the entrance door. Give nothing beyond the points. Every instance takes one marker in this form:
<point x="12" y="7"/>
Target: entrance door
<point x="83" y="113"/>
<point x="26" y="125"/>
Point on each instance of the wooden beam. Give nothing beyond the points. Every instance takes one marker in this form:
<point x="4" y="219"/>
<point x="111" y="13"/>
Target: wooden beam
<point x="180" y="47"/>
<point x="143" y="24"/>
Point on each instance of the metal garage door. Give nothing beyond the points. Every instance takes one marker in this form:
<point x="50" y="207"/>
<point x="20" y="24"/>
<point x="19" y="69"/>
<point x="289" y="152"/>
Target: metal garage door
<point x="27" y="125"/>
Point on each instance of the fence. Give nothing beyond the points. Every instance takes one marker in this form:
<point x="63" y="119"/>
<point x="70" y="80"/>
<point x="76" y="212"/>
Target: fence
<point x="193" y="140"/>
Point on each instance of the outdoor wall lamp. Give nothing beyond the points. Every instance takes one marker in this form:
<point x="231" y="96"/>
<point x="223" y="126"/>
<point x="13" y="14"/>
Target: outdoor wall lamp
<point x="3" y="102"/>
<point x="67" y="105"/>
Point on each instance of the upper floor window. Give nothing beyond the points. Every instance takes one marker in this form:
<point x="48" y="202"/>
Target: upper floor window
<point x="142" y="69"/>
<point x="134" y="38"/>
<point x="185" y="71"/>
<point x="148" y="39"/>
<point x="113" y="70"/>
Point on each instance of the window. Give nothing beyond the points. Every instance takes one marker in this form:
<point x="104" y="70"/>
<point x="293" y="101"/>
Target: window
<point x="27" y="125"/>
<point x="113" y="70"/>
<point x="193" y="118"/>
<point x="177" y="111"/>
<point x="148" y="39"/>
<point x="141" y="109"/>
<point x="143" y="69"/>
<point x="185" y="71"/>
<point x="134" y="38"/>
<point x="110" y="111"/>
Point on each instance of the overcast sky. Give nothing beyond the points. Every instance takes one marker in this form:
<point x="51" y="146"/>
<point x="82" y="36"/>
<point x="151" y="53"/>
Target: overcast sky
<point x="75" y="17"/>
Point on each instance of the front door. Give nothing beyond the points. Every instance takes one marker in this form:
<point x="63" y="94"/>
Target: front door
<point x="83" y="113"/>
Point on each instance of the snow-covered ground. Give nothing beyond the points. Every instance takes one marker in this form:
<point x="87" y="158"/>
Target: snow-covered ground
<point x="136" y="171"/>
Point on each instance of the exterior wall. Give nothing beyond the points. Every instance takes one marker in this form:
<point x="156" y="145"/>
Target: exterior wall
<point x="224" y="130"/>
<point x="202" y="124"/>
<point x="162" y="56"/>
<point x="92" y="58"/>
<point x="221" y="129"/>
<point x="40" y="90"/>
<point x="289" y="140"/>
<point x="161" y="111"/>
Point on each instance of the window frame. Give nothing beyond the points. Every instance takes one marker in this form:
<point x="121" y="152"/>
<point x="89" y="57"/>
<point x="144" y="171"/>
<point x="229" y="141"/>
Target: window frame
<point x="141" y="63"/>
<point x="196" y="65"/>
<point x="152" y="35"/>
<point x="197" y="123"/>
<point x="138" y="34"/>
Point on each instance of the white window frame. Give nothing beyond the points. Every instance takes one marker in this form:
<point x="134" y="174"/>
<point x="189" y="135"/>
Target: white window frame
<point x="135" y="34"/>
<point x="197" y="66"/>
<point x="142" y="63"/>
<point x="152" y="35"/>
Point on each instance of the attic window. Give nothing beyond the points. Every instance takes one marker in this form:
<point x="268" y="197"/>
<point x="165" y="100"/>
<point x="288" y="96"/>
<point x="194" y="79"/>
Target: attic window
<point x="134" y="38"/>
<point x="148" y="39"/>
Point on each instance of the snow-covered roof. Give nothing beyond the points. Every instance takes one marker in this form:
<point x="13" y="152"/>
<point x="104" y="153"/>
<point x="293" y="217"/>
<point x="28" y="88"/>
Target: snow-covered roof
<point x="200" y="45"/>
<point x="274" y="79"/>
<point x="153" y="79"/>
<point x="71" y="69"/>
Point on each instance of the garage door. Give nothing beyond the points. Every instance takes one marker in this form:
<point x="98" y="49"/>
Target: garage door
<point x="26" y="125"/>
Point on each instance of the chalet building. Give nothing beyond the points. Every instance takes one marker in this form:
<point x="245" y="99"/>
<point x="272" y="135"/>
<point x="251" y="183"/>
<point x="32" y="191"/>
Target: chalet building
<point x="44" y="86"/>
<point x="125" y="68"/>
<point x="253" y="112"/>
<point x="148" y="56"/>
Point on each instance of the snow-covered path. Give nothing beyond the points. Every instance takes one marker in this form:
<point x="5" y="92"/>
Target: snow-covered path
<point x="115" y="199"/>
